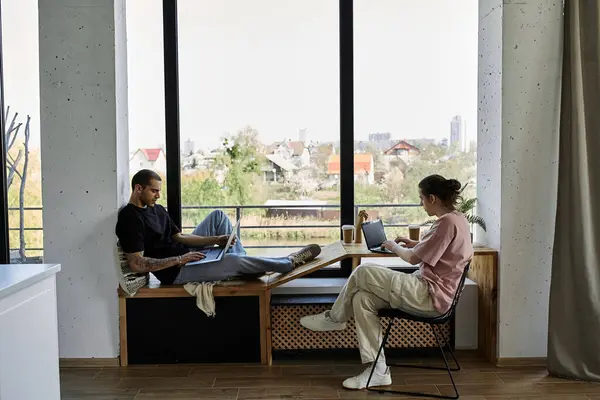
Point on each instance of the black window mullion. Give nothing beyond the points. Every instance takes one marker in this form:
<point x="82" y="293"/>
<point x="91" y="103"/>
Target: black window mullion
<point x="346" y="117"/>
<point x="4" y="239"/>
<point x="172" y="139"/>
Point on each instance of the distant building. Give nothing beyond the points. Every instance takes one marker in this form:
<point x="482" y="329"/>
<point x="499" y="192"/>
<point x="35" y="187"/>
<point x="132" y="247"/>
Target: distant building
<point x="292" y="151"/>
<point x="302" y="135"/>
<point x="153" y="159"/>
<point x="364" y="168"/>
<point x="277" y="168"/>
<point x="458" y="133"/>
<point x="473" y="146"/>
<point x="320" y="153"/>
<point x="299" y="208"/>
<point x="188" y="147"/>
<point x="380" y="136"/>
<point x="403" y="150"/>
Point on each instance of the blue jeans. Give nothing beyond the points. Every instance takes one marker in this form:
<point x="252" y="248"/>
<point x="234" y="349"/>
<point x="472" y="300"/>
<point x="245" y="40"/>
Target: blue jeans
<point x="235" y="263"/>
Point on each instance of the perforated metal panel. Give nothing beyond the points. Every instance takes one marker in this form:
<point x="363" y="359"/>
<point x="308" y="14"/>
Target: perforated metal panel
<point x="288" y="334"/>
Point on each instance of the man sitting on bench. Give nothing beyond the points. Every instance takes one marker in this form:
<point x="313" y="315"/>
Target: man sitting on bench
<point x="153" y="243"/>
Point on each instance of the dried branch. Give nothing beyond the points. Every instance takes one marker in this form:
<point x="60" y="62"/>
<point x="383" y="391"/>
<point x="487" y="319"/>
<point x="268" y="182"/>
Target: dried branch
<point x="10" y="140"/>
<point x="22" y="242"/>
<point x="12" y="166"/>
<point x="14" y="137"/>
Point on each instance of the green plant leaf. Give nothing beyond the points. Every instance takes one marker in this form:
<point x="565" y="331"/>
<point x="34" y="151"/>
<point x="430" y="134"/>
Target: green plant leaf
<point x="476" y="220"/>
<point x="467" y="205"/>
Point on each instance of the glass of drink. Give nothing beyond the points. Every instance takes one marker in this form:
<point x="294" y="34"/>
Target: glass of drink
<point x="347" y="233"/>
<point x="413" y="232"/>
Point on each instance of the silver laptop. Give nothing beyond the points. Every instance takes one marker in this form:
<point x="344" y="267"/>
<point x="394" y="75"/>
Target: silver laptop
<point x="217" y="253"/>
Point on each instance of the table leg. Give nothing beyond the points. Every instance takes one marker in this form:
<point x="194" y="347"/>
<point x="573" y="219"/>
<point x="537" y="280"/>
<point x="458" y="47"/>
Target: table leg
<point x="265" y="328"/>
<point x="123" y="357"/>
<point x="355" y="262"/>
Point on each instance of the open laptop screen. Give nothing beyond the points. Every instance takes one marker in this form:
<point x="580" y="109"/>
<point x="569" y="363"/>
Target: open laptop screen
<point x="374" y="233"/>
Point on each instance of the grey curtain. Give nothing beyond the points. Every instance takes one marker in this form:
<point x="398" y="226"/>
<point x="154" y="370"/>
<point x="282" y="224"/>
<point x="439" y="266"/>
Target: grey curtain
<point x="574" y="321"/>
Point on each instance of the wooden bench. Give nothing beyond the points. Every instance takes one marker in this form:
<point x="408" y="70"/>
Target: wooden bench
<point x="485" y="270"/>
<point x="258" y="287"/>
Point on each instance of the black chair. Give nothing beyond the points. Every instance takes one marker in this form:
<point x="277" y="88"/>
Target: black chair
<point x="433" y="323"/>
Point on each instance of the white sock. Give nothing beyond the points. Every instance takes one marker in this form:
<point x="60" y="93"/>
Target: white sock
<point x="381" y="366"/>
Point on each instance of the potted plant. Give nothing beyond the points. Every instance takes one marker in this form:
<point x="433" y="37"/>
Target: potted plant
<point x="466" y="206"/>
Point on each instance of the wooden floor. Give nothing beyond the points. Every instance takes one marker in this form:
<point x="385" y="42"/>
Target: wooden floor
<point x="304" y="379"/>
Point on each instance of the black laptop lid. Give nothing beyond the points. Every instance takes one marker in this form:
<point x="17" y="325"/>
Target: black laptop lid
<point x="374" y="233"/>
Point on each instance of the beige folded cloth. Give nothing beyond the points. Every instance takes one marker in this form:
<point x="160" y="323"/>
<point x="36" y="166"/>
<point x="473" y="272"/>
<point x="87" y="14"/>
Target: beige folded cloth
<point x="204" y="296"/>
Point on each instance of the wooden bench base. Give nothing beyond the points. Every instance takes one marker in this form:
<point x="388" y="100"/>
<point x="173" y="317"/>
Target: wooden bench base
<point x="484" y="272"/>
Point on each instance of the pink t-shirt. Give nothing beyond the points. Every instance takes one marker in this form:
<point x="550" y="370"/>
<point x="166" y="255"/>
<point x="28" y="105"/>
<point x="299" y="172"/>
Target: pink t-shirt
<point x="445" y="250"/>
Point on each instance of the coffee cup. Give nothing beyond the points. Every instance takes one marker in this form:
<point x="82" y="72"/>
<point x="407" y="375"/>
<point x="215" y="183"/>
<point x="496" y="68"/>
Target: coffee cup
<point x="414" y="232"/>
<point x="347" y="233"/>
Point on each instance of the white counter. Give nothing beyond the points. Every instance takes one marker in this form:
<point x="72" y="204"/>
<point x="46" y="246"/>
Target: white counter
<point x="28" y="332"/>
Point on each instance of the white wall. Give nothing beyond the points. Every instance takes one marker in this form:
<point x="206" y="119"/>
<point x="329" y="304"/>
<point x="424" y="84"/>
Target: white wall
<point x="522" y="197"/>
<point x="489" y="120"/>
<point x="84" y="163"/>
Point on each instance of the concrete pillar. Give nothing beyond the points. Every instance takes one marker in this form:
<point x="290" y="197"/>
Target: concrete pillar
<point x="489" y="119"/>
<point x="517" y="166"/>
<point x="83" y="81"/>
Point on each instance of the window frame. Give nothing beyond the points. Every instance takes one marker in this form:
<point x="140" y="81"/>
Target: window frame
<point x="346" y="93"/>
<point x="4" y="228"/>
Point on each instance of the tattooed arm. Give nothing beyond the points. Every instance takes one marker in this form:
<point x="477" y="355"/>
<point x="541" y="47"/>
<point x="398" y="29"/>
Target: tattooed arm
<point x="138" y="263"/>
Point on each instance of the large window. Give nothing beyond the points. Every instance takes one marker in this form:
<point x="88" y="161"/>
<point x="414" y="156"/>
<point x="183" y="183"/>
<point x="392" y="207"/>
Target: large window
<point x="21" y="110"/>
<point x="293" y="115"/>
<point x="415" y="91"/>
<point x="259" y="118"/>
<point x="146" y="89"/>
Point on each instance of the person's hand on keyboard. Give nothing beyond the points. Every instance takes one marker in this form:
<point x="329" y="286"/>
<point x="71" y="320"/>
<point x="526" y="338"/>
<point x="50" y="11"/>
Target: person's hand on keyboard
<point x="408" y="243"/>
<point x="388" y="245"/>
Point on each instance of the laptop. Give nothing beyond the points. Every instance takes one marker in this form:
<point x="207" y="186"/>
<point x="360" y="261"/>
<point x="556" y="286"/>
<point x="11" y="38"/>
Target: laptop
<point x="375" y="236"/>
<point x="216" y="253"/>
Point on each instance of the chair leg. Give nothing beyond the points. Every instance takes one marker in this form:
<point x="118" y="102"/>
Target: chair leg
<point x="385" y="337"/>
<point x="452" y="354"/>
<point x="418" y="394"/>
<point x="457" y="368"/>
<point x="446" y="363"/>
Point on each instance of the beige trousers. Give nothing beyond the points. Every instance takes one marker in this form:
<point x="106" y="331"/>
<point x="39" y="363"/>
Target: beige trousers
<point x="372" y="287"/>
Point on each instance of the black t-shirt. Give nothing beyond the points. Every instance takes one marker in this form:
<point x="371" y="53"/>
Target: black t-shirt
<point x="150" y="230"/>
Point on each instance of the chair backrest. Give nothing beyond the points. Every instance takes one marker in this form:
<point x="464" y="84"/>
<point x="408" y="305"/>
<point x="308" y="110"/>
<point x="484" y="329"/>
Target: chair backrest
<point x="459" y="290"/>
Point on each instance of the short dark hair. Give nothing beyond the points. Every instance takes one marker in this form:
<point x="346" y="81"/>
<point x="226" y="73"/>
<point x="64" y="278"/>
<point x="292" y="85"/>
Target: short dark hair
<point x="143" y="177"/>
<point x="447" y="190"/>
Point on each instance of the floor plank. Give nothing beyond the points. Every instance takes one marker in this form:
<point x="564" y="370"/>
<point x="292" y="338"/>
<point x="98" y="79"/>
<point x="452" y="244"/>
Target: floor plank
<point x="144" y="373"/>
<point x="288" y="393"/>
<point x="188" y="394"/>
<point x="100" y="394"/>
<point x="165" y="383"/>
<point x="313" y="379"/>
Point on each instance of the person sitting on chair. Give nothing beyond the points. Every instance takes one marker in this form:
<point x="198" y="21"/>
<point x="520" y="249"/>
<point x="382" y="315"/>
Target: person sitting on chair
<point x="153" y="243"/>
<point x="443" y="252"/>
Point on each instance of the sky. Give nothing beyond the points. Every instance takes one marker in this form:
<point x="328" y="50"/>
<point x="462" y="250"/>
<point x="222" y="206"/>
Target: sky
<point x="273" y="65"/>
<point x="20" y="53"/>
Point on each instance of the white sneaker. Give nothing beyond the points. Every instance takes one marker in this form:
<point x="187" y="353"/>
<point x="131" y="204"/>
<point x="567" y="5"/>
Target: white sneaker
<point x="321" y="323"/>
<point x="359" y="381"/>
